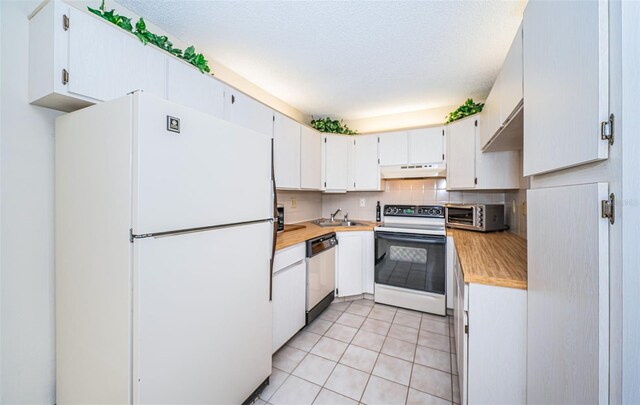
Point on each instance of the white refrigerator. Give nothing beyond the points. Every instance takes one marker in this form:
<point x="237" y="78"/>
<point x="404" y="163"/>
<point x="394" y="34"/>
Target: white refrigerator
<point x="164" y="240"/>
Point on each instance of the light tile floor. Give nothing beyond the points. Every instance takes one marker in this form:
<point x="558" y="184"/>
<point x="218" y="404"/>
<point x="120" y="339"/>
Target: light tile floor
<point x="367" y="353"/>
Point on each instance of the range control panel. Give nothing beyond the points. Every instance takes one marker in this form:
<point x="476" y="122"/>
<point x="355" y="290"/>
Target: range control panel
<point x="422" y="211"/>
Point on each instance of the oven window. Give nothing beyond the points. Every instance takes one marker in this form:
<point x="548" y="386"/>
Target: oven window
<point x="415" y="262"/>
<point x="460" y="216"/>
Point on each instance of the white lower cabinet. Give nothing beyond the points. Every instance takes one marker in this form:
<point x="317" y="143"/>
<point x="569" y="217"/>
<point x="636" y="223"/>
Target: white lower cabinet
<point x="355" y="265"/>
<point x="289" y="293"/>
<point x="490" y="327"/>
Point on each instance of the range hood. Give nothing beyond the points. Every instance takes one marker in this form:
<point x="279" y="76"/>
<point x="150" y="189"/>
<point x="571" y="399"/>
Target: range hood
<point x="413" y="171"/>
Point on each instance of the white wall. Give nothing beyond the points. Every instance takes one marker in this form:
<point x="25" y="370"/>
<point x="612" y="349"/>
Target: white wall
<point x="27" y="272"/>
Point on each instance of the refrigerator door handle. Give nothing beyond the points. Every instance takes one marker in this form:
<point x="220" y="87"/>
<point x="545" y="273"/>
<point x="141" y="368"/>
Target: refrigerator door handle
<point x="275" y="222"/>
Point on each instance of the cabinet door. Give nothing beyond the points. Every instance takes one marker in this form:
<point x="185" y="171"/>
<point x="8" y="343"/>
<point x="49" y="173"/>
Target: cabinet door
<point x="497" y="170"/>
<point x="350" y="263"/>
<point x="461" y="153"/>
<point x="289" y="289"/>
<point x="107" y="63"/>
<point x="565" y="83"/>
<point x="247" y="112"/>
<point x="568" y="295"/>
<point x="310" y="159"/>
<point x="394" y="148"/>
<point x="286" y="140"/>
<point x="365" y="163"/>
<point x="187" y="86"/>
<point x="336" y="162"/>
<point x="426" y="145"/>
<point x="511" y="90"/>
<point x="491" y="115"/>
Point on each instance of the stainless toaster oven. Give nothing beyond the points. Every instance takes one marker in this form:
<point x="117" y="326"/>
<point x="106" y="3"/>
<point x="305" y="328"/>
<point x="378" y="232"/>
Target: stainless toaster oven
<point x="476" y="217"/>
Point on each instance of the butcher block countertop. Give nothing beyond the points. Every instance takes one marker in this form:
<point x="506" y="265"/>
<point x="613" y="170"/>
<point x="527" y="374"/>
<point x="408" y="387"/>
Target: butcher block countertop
<point x="492" y="258"/>
<point x="303" y="231"/>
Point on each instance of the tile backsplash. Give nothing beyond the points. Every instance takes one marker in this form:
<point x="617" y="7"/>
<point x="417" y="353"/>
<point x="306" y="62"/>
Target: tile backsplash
<point x="302" y="206"/>
<point x="415" y="192"/>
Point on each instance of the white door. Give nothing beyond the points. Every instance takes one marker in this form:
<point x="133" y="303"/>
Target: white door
<point x="365" y="163"/>
<point x="461" y="153"/>
<point x="511" y="91"/>
<point x="286" y="140"/>
<point x="426" y="145"/>
<point x="394" y="148"/>
<point x="211" y="173"/>
<point x="96" y="47"/>
<point x="566" y="83"/>
<point x="289" y="300"/>
<point x="187" y="86"/>
<point x="247" y="112"/>
<point x="336" y="162"/>
<point x="350" y="264"/>
<point x="310" y="158"/>
<point x="568" y="295"/>
<point x="202" y="316"/>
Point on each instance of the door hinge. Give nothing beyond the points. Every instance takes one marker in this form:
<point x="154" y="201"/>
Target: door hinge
<point x="65" y="22"/>
<point x="607" y="129"/>
<point x="609" y="208"/>
<point x="466" y="329"/>
<point x="65" y="76"/>
<point x="475" y="181"/>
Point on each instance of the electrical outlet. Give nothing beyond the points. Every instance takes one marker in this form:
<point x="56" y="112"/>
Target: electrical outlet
<point x="294" y="203"/>
<point x="363" y="202"/>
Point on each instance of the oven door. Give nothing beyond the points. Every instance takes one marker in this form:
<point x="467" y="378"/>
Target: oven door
<point x="411" y="261"/>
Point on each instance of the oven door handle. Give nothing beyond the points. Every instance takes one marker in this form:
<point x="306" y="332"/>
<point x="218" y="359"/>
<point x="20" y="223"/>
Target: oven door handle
<point x="433" y="240"/>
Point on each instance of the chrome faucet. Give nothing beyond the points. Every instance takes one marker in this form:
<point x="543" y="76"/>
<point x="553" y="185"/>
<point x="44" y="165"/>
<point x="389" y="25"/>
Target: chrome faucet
<point x="346" y="217"/>
<point x="333" y="216"/>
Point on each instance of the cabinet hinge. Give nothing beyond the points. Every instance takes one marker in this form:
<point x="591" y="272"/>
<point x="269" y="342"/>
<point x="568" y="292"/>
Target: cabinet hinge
<point x="475" y="181"/>
<point x="65" y="22"/>
<point x="607" y="129"/>
<point x="273" y="118"/>
<point x="476" y="124"/>
<point x="443" y="156"/>
<point x="378" y="139"/>
<point x="354" y="184"/>
<point x="378" y="161"/>
<point x="609" y="208"/>
<point x="354" y="142"/>
<point x="325" y="140"/>
<point x="443" y="132"/>
<point x="337" y="291"/>
<point x="233" y="99"/>
<point x="325" y="184"/>
<point x="466" y="329"/>
<point x="65" y="76"/>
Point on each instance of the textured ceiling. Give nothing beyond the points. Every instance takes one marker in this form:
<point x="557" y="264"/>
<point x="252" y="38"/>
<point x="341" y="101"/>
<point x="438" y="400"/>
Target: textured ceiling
<point x="350" y="59"/>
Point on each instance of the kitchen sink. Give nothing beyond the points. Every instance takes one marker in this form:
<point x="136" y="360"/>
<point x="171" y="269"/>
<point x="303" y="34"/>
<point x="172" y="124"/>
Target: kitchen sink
<point x="329" y="223"/>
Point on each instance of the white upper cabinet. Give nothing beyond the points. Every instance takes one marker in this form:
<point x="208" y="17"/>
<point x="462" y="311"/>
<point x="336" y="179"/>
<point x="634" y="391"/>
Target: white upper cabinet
<point x="394" y="148"/>
<point x="188" y="87"/>
<point x="501" y="126"/>
<point x="310" y="159"/>
<point x="426" y="145"/>
<point x="89" y="60"/>
<point x="365" y="172"/>
<point x="247" y="112"/>
<point x="469" y="168"/>
<point x="286" y="140"/>
<point x="461" y="153"/>
<point x="336" y="155"/>
<point x="511" y="79"/>
<point x="566" y="84"/>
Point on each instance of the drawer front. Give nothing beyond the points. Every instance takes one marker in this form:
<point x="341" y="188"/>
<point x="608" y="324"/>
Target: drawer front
<point x="288" y="256"/>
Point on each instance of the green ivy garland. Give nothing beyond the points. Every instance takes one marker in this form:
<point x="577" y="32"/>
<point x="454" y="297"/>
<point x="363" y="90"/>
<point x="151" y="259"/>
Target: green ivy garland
<point x="189" y="55"/>
<point x="326" y="124"/>
<point x="465" y="110"/>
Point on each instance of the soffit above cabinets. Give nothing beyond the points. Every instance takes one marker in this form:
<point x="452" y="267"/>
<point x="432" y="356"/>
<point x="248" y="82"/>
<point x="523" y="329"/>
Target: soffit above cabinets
<point x="322" y="57"/>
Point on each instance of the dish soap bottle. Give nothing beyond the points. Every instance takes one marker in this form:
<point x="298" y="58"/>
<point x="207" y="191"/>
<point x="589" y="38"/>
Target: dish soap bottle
<point x="378" y="212"/>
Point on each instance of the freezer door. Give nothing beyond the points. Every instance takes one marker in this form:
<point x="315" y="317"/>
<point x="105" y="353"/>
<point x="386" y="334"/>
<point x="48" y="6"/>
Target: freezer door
<point x="202" y="316"/>
<point x="210" y="172"/>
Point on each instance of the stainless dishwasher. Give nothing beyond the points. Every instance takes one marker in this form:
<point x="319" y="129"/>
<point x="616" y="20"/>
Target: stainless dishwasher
<point x="321" y="274"/>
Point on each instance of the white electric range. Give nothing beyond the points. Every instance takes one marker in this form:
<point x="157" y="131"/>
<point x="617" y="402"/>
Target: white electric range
<point x="410" y="258"/>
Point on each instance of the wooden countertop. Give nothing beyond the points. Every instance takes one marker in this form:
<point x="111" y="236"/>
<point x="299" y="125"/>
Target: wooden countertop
<point x="311" y="230"/>
<point x="492" y="258"/>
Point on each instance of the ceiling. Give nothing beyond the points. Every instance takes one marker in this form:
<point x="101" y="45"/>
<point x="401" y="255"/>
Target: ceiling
<point x="350" y="59"/>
